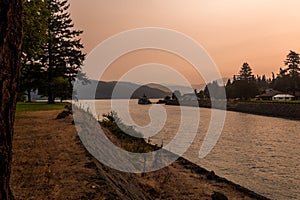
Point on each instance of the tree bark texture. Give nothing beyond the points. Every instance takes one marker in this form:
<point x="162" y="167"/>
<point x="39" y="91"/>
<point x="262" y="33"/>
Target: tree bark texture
<point x="10" y="54"/>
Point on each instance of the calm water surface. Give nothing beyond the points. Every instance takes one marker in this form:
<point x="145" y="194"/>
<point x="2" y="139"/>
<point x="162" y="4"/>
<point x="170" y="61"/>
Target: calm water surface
<point x="257" y="152"/>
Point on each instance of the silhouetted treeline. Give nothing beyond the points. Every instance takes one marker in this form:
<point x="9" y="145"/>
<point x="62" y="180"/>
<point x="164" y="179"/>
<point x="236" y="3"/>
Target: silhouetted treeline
<point x="245" y="85"/>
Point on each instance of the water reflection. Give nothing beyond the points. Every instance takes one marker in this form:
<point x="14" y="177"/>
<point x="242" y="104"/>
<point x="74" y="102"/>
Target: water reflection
<point x="260" y="153"/>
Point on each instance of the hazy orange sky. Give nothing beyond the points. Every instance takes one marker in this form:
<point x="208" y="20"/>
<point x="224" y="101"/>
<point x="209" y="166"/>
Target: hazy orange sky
<point x="260" y="32"/>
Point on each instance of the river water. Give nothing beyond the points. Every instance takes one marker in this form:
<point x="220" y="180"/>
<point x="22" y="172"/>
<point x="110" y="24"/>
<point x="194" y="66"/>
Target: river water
<point x="257" y="152"/>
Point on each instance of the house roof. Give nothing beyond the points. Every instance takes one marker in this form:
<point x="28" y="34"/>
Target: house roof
<point x="269" y="93"/>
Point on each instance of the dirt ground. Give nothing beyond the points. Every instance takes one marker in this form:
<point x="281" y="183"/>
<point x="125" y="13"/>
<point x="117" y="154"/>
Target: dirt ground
<point x="49" y="162"/>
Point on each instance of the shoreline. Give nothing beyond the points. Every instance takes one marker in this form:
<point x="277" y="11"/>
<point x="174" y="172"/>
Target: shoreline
<point x="285" y="110"/>
<point x="194" y="168"/>
<point x="199" y="169"/>
<point x="49" y="160"/>
<point x="212" y="176"/>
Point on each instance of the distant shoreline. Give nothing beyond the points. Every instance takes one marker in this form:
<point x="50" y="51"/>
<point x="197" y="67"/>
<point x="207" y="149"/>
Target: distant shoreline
<point x="286" y="110"/>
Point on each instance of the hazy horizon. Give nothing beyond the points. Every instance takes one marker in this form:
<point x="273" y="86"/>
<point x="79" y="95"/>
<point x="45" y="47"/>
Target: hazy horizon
<point x="233" y="32"/>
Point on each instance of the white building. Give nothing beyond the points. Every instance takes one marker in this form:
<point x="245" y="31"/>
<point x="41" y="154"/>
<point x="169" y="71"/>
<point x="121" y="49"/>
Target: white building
<point x="283" y="97"/>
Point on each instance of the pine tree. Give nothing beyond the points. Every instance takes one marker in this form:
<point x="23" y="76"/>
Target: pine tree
<point x="62" y="54"/>
<point x="34" y="29"/>
<point x="245" y="86"/>
<point x="293" y="69"/>
<point x="246" y="73"/>
<point x="293" y="63"/>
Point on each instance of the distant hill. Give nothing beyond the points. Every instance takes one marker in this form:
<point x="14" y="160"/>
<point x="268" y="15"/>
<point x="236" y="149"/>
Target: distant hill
<point x="183" y="89"/>
<point x="160" y="87"/>
<point x="105" y="90"/>
<point x="152" y="90"/>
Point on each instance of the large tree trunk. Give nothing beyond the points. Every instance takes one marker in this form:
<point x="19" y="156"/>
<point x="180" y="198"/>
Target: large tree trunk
<point x="10" y="53"/>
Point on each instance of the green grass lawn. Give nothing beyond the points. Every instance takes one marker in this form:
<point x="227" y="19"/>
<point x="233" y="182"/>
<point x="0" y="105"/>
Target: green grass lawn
<point x="270" y="101"/>
<point x="39" y="106"/>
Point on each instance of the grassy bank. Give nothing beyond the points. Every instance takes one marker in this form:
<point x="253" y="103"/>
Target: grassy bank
<point x="279" y="102"/>
<point x="38" y="106"/>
